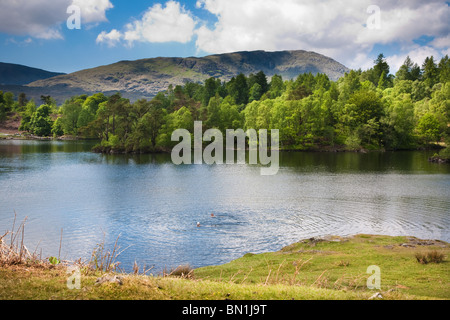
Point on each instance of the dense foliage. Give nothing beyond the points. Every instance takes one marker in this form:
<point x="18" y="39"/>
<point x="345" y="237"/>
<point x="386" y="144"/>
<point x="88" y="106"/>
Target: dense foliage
<point x="370" y="109"/>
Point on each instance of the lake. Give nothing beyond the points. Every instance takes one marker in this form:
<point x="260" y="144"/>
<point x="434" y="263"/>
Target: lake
<point x="154" y="205"/>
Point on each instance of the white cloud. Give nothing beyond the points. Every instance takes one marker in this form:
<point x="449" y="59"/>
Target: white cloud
<point x="43" y="18"/>
<point x="442" y="42"/>
<point x="334" y="28"/>
<point x="111" y="38"/>
<point x="406" y="21"/>
<point x="93" y="11"/>
<point x="37" y="18"/>
<point x="172" y="23"/>
<point x="417" y="55"/>
<point x="161" y="24"/>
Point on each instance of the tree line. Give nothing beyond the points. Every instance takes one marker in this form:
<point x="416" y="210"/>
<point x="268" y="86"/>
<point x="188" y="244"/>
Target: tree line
<point x="371" y="109"/>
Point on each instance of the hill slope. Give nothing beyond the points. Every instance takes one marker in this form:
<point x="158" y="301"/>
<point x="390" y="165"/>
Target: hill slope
<point x="145" y="78"/>
<point x="16" y="74"/>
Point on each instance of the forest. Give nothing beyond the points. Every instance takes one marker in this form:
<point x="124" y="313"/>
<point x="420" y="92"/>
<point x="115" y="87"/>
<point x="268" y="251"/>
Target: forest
<point x="363" y="110"/>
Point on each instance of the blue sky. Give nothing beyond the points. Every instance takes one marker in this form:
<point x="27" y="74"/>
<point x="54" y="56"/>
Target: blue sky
<point x="353" y="32"/>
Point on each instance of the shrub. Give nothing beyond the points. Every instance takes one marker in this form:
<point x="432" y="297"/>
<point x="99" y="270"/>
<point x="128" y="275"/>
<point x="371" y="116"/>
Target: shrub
<point x="430" y="257"/>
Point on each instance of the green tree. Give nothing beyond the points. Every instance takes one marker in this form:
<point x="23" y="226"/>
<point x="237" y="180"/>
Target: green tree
<point x="70" y="114"/>
<point x="444" y="69"/>
<point x="108" y="116"/>
<point x="439" y="105"/>
<point x="255" y="93"/>
<point x="285" y="117"/>
<point x="8" y="98"/>
<point x="430" y="72"/>
<point x="428" y="128"/>
<point x="399" y="123"/>
<point x="41" y="123"/>
<point x="261" y="79"/>
<point x="194" y="90"/>
<point x="211" y="86"/>
<point x="334" y="91"/>
<point x="362" y="115"/>
<point x="419" y="91"/>
<point x="297" y="91"/>
<point x="276" y="86"/>
<point x="58" y="128"/>
<point x="408" y="71"/>
<point x="238" y="89"/>
<point x="91" y="103"/>
<point x="349" y="84"/>
<point x="213" y="112"/>
<point x="84" y="117"/>
<point x="48" y="100"/>
<point x="152" y="122"/>
<point x="30" y="109"/>
<point x="322" y="82"/>
<point x="21" y="101"/>
<point x="180" y="119"/>
<point x="146" y="127"/>
<point x="381" y="66"/>
<point x="2" y="107"/>
<point x="230" y="118"/>
<point x="367" y="105"/>
<point x="382" y="82"/>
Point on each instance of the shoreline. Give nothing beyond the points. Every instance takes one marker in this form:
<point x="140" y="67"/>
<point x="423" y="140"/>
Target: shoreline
<point x="318" y="149"/>
<point x="319" y="268"/>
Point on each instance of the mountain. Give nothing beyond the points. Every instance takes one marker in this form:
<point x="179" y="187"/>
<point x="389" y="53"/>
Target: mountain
<point x="145" y="78"/>
<point x="16" y="74"/>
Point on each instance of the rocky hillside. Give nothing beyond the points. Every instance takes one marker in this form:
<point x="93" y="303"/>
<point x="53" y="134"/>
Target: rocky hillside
<point x="144" y="78"/>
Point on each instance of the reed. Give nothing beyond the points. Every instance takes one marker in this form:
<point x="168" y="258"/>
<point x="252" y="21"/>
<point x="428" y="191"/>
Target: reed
<point x="15" y="252"/>
<point x="104" y="259"/>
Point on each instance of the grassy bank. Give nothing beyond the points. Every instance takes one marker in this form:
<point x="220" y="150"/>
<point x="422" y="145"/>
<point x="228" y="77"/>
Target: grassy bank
<point x="313" y="269"/>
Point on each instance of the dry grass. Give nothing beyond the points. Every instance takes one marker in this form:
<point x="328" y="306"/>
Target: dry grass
<point x="137" y="269"/>
<point x="182" y="271"/>
<point x="430" y="257"/>
<point x="104" y="259"/>
<point x="15" y="252"/>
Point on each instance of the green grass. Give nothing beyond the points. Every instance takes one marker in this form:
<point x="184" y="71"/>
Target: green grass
<point x="51" y="285"/>
<point x="308" y="270"/>
<point x="342" y="265"/>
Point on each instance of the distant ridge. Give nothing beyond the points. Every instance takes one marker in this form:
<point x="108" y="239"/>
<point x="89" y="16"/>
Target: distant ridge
<point x="145" y="78"/>
<point x="16" y="74"/>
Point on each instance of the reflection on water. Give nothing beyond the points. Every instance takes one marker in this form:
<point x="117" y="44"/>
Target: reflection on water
<point x="154" y="205"/>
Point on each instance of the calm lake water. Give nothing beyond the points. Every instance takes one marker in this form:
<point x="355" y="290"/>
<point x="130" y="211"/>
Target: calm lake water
<point x="154" y="206"/>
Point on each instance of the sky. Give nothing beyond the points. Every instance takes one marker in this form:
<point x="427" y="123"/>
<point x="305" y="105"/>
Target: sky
<point x="71" y="35"/>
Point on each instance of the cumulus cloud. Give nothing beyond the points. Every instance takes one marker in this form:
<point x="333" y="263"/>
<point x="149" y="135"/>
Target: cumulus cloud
<point x="111" y="38"/>
<point x="335" y="28"/>
<point x="417" y="55"/>
<point x="441" y="42"/>
<point x="35" y="18"/>
<point x="93" y="11"/>
<point x="43" y="18"/>
<point x="171" y="23"/>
